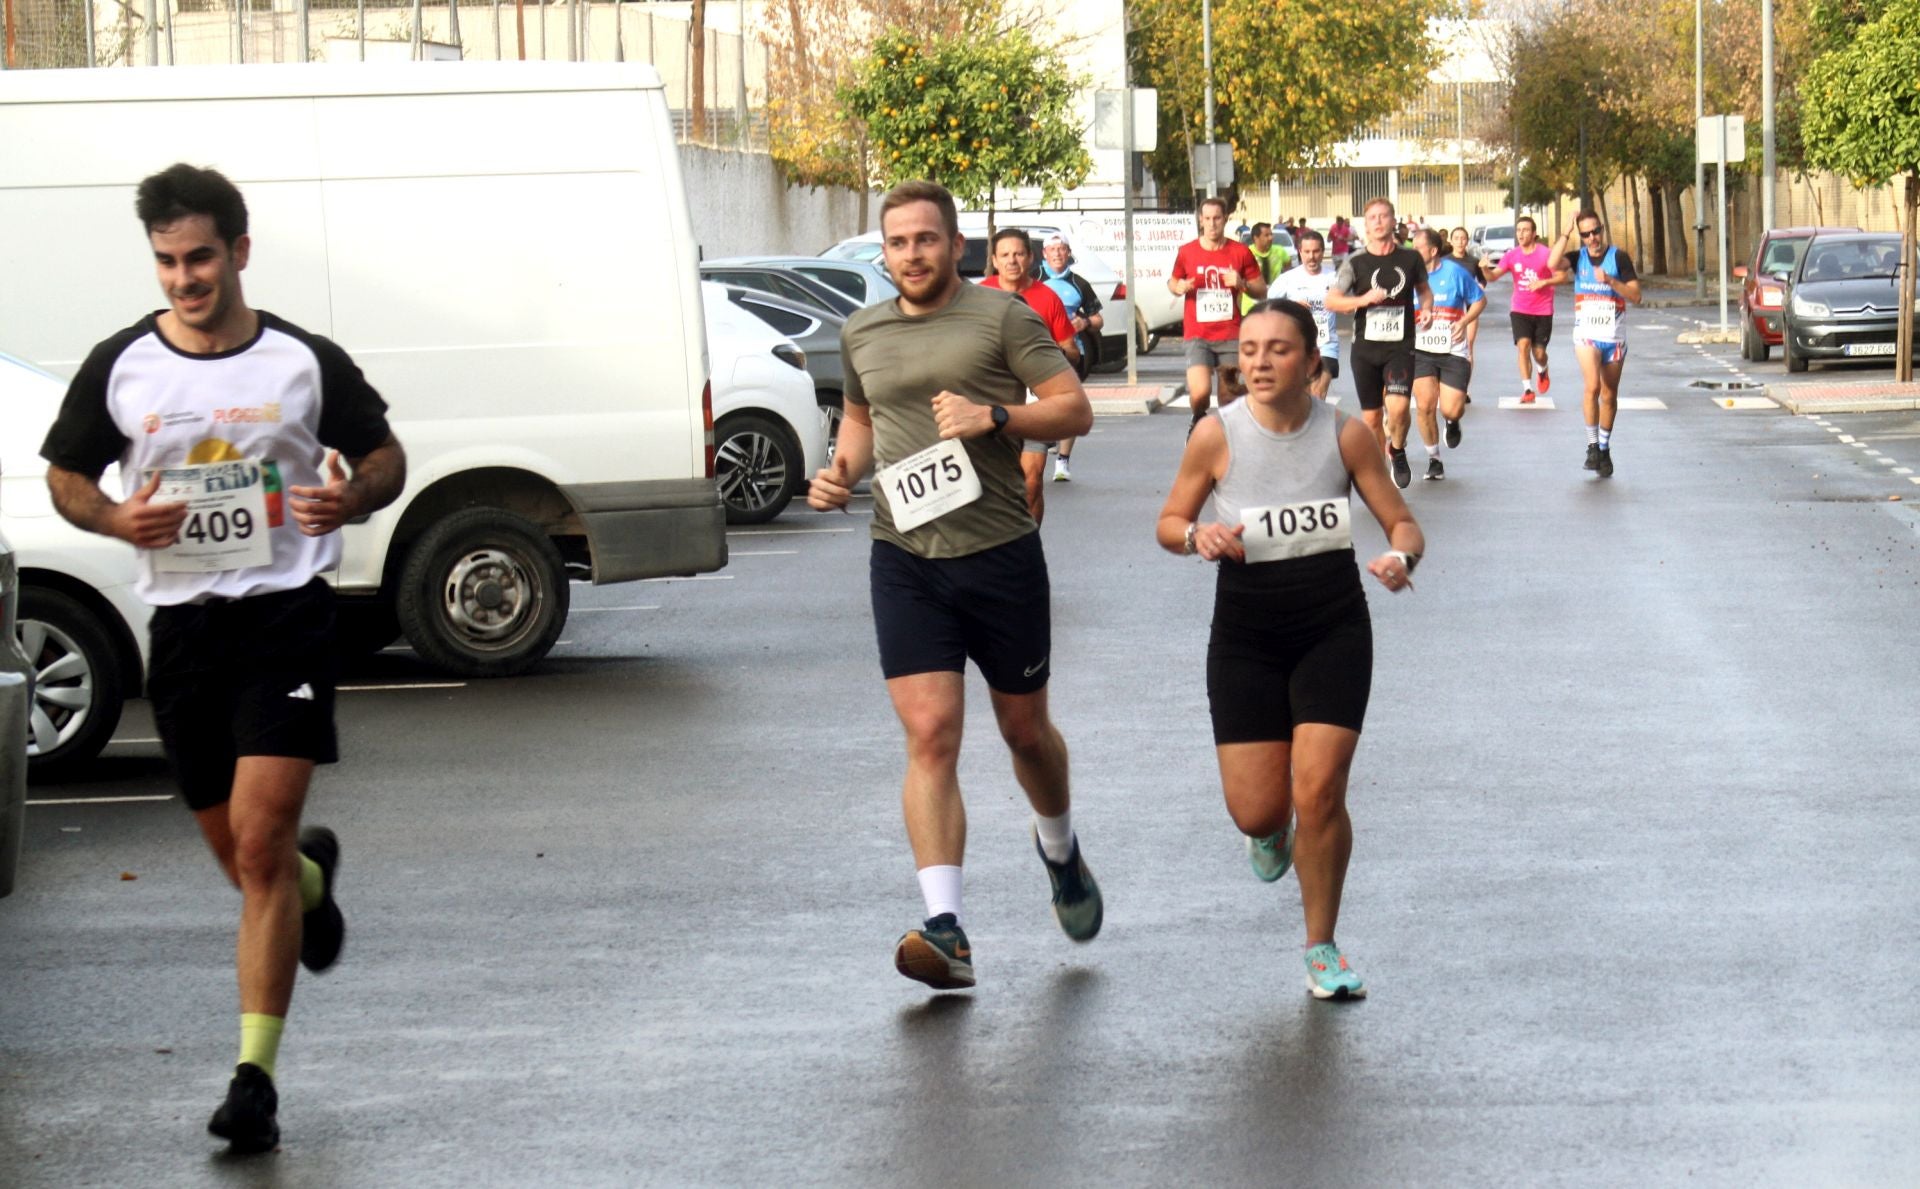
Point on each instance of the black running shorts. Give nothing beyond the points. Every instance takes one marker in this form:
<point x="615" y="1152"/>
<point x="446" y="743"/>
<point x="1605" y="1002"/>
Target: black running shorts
<point x="1378" y="376"/>
<point x="1330" y="364"/>
<point x="994" y="607"/>
<point x="1537" y="327"/>
<point x="243" y="677"/>
<point x="1264" y="677"/>
<point x="1453" y="371"/>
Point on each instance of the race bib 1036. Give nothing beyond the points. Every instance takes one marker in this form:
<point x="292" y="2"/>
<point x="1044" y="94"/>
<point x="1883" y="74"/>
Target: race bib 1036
<point x="928" y="485"/>
<point x="1296" y="530"/>
<point x="227" y="516"/>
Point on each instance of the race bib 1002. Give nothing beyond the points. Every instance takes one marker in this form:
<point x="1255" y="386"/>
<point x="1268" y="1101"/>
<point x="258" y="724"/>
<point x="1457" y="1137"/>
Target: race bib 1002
<point x="227" y="516"/>
<point x="928" y="485"/>
<point x="1213" y="305"/>
<point x="1296" y="530"/>
<point x="1596" y="320"/>
<point x="1386" y="324"/>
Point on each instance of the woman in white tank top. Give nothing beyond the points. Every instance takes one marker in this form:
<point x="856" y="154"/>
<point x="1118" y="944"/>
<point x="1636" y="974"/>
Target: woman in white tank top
<point x="1263" y="489"/>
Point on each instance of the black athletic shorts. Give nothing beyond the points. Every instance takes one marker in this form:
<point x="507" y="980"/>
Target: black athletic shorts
<point x="243" y="677"/>
<point x="1538" y="327"/>
<point x="1454" y="372"/>
<point x="1331" y="365"/>
<point x="1268" y="671"/>
<point x="932" y="614"/>
<point x="1378" y="376"/>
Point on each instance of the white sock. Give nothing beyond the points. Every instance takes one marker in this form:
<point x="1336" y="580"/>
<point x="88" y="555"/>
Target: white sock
<point x="1593" y="435"/>
<point x="940" y="888"/>
<point x="1056" y="836"/>
<point x="1433" y="450"/>
<point x="1605" y="439"/>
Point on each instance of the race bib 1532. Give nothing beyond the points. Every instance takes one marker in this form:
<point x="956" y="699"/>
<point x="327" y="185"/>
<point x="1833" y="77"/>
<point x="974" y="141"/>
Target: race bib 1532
<point x="1213" y="305"/>
<point x="928" y="485"/>
<point x="1296" y="530"/>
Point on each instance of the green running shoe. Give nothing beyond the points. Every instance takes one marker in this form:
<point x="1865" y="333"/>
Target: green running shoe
<point x="1076" y="897"/>
<point x="1270" y="856"/>
<point x="936" y="954"/>
<point x="1329" y="976"/>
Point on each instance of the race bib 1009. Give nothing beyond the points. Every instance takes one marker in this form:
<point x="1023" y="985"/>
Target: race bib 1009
<point x="928" y="485"/>
<point x="1296" y="530"/>
<point x="227" y="516"/>
<point x="1436" y="339"/>
<point x="1386" y="324"/>
<point x="1213" y="305"/>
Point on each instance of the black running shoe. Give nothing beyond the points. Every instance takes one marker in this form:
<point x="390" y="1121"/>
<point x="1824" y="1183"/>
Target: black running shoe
<point x="1593" y="456"/>
<point x="1402" y="472"/>
<point x="1076" y="896"/>
<point x="323" y="930"/>
<point x="246" y="1119"/>
<point x="1436" y="469"/>
<point x="1605" y="465"/>
<point x="936" y="954"/>
<point x="1453" y="435"/>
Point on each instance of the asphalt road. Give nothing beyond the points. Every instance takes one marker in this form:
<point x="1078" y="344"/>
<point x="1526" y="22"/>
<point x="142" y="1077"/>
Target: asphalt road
<point x="1633" y="889"/>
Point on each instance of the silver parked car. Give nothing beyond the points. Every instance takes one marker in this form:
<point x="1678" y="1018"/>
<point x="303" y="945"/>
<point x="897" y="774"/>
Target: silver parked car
<point x="866" y="281"/>
<point x="1843" y="300"/>
<point x="15" y="699"/>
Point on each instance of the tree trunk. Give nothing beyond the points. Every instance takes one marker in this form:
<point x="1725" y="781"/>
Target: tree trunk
<point x="1909" y="243"/>
<point x="1639" y="228"/>
<point x="697" y="71"/>
<point x="1656" y="210"/>
<point x="1680" y="258"/>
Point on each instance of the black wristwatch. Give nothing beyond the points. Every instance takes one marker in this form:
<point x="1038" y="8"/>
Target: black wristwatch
<point x="999" y="418"/>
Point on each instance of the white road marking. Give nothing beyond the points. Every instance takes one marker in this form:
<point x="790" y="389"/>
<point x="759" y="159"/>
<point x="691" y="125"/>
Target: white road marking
<point x="693" y="578"/>
<point x="1885" y="461"/>
<point x="1833" y="429"/>
<point x="1641" y="402"/>
<point x="1903" y="470"/>
<point x="101" y="800"/>
<point x="1846" y="437"/>
<point x="1513" y="402"/>
<point x="129" y="742"/>
<point x="1913" y="478"/>
<point x="763" y="553"/>
<point x="584" y="610"/>
<point x="1858" y="445"/>
<point x="781" y="532"/>
<point x="367" y="689"/>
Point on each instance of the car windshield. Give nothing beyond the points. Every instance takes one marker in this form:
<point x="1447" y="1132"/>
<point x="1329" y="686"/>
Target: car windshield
<point x="1851" y="260"/>
<point x="1496" y="233"/>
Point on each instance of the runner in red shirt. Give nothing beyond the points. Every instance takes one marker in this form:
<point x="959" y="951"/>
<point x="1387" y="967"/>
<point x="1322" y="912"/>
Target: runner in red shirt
<point x="1211" y="272"/>
<point x="1012" y="256"/>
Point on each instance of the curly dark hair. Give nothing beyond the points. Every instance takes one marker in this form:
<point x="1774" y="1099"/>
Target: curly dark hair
<point x="181" y="190"/>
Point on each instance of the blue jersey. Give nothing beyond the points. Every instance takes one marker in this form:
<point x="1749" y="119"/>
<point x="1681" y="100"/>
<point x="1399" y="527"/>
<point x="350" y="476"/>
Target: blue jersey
<point x="1455" y="289"/>
<point x="1062" y="284"/>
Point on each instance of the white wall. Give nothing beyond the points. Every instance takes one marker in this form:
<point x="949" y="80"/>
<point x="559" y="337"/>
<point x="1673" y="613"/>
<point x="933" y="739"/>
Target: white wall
<point x="742" y="206"/>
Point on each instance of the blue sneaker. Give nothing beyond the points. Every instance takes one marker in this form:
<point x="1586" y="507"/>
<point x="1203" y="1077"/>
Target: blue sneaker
<point x="936" y="954"/>
<point x="1329" y="976"/>
<point x="1270" y="856"/>
<point x="1076" y="897"/>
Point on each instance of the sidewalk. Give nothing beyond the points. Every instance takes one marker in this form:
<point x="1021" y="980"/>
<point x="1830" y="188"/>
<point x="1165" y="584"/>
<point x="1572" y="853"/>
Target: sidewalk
<point x="1847" y="396"/>
<point x="1123" y="400"/>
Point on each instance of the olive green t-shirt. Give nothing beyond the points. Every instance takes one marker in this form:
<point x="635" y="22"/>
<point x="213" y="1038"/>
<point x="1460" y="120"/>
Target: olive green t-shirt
<point x="985" y="345"/>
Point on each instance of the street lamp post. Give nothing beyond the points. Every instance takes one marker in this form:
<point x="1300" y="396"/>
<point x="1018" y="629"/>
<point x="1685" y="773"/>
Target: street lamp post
<point x="1206" y="56"/>
<point x="1766" y="114"/>
<point x="1699" y="166"/>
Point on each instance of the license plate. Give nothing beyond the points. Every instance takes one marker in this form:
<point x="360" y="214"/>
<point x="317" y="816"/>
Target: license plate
<point x="1869" y="348"/>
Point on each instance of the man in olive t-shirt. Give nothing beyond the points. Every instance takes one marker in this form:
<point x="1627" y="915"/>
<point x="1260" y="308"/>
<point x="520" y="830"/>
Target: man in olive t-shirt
<point x="936" y="397"/>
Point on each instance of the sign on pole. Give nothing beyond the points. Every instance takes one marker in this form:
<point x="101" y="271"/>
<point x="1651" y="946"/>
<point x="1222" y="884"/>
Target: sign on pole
<point x="1109" y="119"/>
<point x="1708" y="139"/>
<point x="1212" y="172"/>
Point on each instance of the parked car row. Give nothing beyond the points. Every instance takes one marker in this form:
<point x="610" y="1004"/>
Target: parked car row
<point x="1821" y="294"/>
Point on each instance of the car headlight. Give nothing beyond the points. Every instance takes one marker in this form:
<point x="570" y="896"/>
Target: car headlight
<point x="1810" y="309"/>
<point x="788" y="353"/>
<point x="1769" y="297"/>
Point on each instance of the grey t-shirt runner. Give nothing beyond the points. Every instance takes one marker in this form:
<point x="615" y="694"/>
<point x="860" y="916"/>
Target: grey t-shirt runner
<point x="985" y="345"/>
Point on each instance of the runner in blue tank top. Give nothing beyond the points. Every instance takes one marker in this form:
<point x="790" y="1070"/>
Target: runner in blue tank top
<point x="1603" y="283"/>
<point x="1290" y="661"/>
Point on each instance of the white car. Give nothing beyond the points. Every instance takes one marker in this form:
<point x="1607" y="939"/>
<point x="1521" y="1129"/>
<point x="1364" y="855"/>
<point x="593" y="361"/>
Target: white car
<point x="1110" y="350"/>
<point x="769" y="430"/>
<point x="1492" y="241"/>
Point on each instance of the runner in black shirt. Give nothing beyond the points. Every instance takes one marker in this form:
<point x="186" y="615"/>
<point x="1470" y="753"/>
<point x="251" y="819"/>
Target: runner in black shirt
<point x="1379" y="285"/>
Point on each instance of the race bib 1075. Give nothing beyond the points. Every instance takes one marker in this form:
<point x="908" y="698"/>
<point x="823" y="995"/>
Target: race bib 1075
<point x="928" y="485"/>
<point x="227" y="516"/>
<point x="1296" y="530"/>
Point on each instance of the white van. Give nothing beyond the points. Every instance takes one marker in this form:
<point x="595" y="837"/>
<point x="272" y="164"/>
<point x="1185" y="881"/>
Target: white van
<point x="503" y="247"/>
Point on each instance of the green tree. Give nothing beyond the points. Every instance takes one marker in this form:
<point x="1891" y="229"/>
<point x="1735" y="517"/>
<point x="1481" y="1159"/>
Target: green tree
<point x="1860" y="116"/>
<point x="975" y="114"/>
<point x="1282" y="108"/>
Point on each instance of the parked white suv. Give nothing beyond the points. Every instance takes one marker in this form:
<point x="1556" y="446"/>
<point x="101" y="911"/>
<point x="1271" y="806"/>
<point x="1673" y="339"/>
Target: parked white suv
<point x="769" y="429"/>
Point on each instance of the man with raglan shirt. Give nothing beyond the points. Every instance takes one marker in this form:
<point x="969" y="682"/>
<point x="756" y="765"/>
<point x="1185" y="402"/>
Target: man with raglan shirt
<point x="1012" y="255"/>
<point x="1604" y="281"/>
<point x="1308" y="285"/>
<point x="1384" y="287"/>
<point x="1530" y="263"/>
<point x="205" y="406"/>
<point x="1443" y="346"/>
<point x="1083" y="309"/>
<point x="1210" y="272"/>
<point x="937" y="380"/>
<point x="1273" y="257"/>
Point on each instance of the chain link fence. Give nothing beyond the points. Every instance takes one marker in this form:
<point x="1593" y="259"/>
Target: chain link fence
<point x="725" y="107"/>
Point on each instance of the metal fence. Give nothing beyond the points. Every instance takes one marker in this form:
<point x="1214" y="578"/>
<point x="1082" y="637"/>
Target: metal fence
<point x="108" y="33"/>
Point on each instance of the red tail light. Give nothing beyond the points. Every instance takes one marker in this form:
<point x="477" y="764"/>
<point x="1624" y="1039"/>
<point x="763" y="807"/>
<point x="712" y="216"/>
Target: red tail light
<point x="1120" y="292"/>
<point x="706" y="418"/>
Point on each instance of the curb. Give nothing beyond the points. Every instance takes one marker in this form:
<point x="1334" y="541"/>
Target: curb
<point x="1782" y="394"/>
<point x="1715" y="335"/>
<point x="1111" y="400"/>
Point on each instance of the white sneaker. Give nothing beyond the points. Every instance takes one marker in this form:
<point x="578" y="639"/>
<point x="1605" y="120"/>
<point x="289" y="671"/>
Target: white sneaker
<point x="1060" y="472"/>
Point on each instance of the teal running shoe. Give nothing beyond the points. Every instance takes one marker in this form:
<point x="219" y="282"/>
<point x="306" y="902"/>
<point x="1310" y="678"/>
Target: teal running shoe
<point x="1076" y="897"/>
<point x="1329" y="976"/>
<point x="1270" y="856"/>
<point x="936" y="954"/>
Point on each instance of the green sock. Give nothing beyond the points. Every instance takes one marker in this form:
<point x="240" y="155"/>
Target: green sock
<point x="313" y="884"/>
<point x="260" y="1039"/>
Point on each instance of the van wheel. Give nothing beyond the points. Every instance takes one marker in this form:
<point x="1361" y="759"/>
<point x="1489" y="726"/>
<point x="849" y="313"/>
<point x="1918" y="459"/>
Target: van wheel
<point x="758" y="467"/>
<point x="77" y="685"/>
<point x="483" y="594"/>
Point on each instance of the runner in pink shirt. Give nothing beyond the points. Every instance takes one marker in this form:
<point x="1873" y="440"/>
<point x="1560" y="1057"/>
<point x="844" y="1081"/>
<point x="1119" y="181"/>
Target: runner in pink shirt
<point x="1531" y="263"/>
